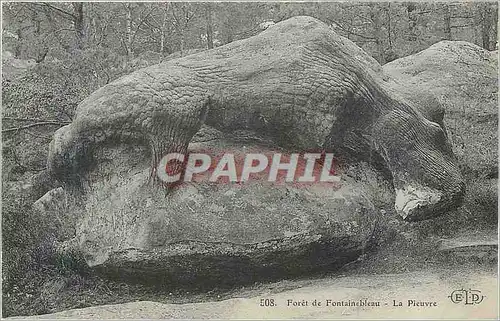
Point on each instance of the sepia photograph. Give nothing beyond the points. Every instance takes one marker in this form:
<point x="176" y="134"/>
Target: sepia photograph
<point x="249" y="160"/>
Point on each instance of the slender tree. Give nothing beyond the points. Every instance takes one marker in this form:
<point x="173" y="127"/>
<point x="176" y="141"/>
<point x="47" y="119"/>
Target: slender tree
<point x="210" y="26"/>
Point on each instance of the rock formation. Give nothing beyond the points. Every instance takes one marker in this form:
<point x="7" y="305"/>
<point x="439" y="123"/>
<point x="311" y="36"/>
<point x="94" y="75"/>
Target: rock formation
<point x="298" y="84"/>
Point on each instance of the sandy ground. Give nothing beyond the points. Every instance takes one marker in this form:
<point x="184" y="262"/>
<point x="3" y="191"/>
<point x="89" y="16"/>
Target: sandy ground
<point x="386" y="289"/>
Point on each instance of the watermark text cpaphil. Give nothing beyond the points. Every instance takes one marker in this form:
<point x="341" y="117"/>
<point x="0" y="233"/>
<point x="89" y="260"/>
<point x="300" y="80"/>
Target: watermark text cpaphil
<point x="234" y="167"/>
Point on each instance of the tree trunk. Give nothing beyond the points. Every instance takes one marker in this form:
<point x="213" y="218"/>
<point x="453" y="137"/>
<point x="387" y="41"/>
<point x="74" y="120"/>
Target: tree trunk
<point x="93" y="23"/>
<point x="485" y="36"/>
<point x="182" y="42"/>
<point x="389" y="31"/>
<point x="412" y="21"/>
<point x="41" y="49"/>
<point x="163" y="27"/>
<point x="162" y="41"/>
<point x="494" y="25"/>
<point x="377" y="33"/>
<point x="210" y="39"/>
<point x="486" y="20"/>
<point x="447" y="22"/>
<point x="78" y="23"/>
<point x="130" y="52"/>
<point x="18" y="49"/>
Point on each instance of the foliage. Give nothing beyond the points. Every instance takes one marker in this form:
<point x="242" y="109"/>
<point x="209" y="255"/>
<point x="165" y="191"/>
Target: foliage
<point x="26" y="239"/>
<point x="50" y="92"/>
<point x="385" y="30"/>
<point x="29" y="253"/>
<point x="53" y="89"/>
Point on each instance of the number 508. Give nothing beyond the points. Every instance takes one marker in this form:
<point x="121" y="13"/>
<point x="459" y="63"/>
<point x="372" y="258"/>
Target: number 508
<point x="267" y="303"/>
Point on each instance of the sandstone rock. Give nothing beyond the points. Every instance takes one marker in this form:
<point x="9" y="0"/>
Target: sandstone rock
<point x="462" y="79"/>
<point x="51" y="199"/>
<point x="204" y="232"/>
<point x="298" y="85"/>
<point x="448" y="68"/>
<point x="54" y="209"/>
<point x="471" y="248"/>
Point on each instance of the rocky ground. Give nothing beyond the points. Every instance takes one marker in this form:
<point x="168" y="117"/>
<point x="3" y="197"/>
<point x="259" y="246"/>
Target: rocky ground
<point x="389" y="290"/>
<point x="294" y="298"/>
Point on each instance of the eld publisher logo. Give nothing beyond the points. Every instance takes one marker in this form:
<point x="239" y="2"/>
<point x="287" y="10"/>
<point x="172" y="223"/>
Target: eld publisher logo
<point x="467" y="297"/>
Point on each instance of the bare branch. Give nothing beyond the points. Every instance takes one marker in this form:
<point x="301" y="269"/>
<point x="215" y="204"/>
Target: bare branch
<point x="45" y="123"/>
<point x="141" y="22"/>
<point x="29" y="119"/>
<point x="463" y="26"/>
<point x="60" y="11"/>
<point x="349" y="31"/>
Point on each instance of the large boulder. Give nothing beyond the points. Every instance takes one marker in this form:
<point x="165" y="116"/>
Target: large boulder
<point x="300" y="84"/>
<point x="204" y="232"/>
<point x="301" y="87"/>
<point x="462" y="79"/>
